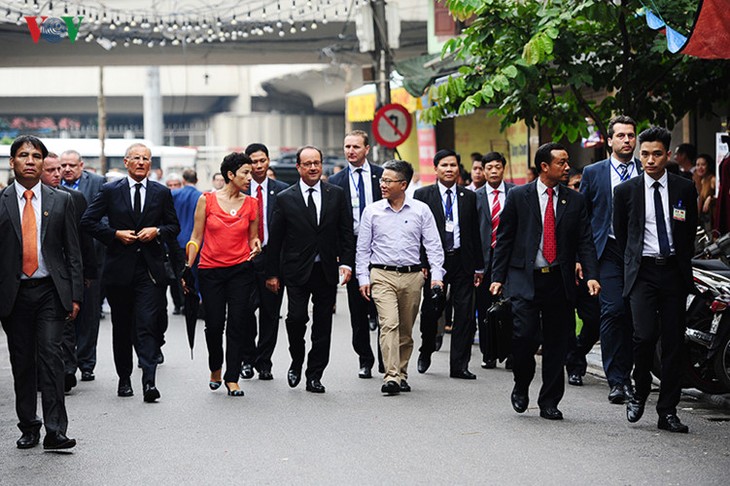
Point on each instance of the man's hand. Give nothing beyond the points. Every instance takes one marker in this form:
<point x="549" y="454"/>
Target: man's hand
<point x="127" y="237"/>
<point x="495" y="288"/>
<point x="437" y="283"/>
<point x="365" y="292"/>
<point x="478" y="277"/>
<point x="424" y="271"/>
<point x="578" y="273"/>
<point x="594" y="288"/>
<point x="146" y="235"/>
<point x="345" y="275"/>
<point x="272" y="283"/>
<point x="74" y="311"/>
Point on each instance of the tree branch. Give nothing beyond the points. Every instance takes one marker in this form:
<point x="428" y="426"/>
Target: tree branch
<point x="590" y="111"/>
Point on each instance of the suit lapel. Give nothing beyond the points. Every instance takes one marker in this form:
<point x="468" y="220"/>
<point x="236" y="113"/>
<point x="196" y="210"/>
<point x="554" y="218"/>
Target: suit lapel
<point x="532" y="200"/>
<point x="11" y="206"/>
<point x="674" y="202"/>
<point x="124" y="192"/>
<point x="270" y="198"/>
<point x="346" y="186"/>
<point x="48" y="200"/>
<point x="324" y="203"/>
<point x="303" y="201"/>
<point x="149" y="200"/>
<point x="562" y="203"/>
<point x="641" y="202"/>
<point x="377" y="193"/>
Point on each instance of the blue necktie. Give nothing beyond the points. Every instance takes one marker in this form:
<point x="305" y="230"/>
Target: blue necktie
<point x="624" y="168"/>
<point x="661" y="228"/>
<point x="361" y="191"/>
<point x="449" y="217"/>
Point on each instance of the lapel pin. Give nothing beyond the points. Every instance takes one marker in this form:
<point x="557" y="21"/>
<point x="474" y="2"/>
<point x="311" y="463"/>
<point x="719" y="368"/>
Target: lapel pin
<point x="271" y="191"/>
<point x="562" y="201"/>
<point x="45" y="213"/>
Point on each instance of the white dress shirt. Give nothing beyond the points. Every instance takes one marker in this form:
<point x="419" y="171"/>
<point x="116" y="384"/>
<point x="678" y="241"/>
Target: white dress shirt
<point x="631" y="170"/>
<point x="455" y="210"/>
<point x="651" y="237"/>
<point x="264" y="191"/>
<point x="35" y="201"/>
<point x="542" y="197"/>
<point x="316" y="195"/>
<point x="142" y="191"/>
<point x="501" y="197"/>
<point x="367" y="180"/>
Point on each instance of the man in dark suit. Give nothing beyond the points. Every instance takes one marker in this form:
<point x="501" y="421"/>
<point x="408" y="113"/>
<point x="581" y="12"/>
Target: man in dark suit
<point x="51" y="176"/>
<point x="544" y="231"/>
<point x="597" y="185"/>
<point x="455" y="210"/>
<point x="265" y="190"/>
<point x="655" y="220"/>
<point x="140" y="213"/>
<point x="490" y="203"/>
<point x="42" y="282"/>
<point x="74" y="176"/>
<point x="360" y="181"/>
<point x="311" y="237"/>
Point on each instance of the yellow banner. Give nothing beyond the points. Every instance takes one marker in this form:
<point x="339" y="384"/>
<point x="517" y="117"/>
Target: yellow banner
<point x="361" y="108"/>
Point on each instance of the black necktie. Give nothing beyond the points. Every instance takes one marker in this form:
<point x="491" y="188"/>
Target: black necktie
<point x="661" y="228"/>
<point x="449" y="217"/>
<point x="311" y="207"/>
<point x="361" y="191"/>
<point x="137" y="200"/>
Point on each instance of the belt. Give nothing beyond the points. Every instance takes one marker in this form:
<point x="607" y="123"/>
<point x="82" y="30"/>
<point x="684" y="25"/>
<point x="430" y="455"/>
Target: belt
<point x="453" y="252"/>
<point x="552" y="269"/>
<point x="35" y="282"/>
<point x="659" y="261"/>
<point x="393" y="268"/>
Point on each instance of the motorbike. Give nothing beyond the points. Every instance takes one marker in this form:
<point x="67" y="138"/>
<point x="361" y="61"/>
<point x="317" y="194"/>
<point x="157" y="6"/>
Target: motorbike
<point x="706" y="360"/>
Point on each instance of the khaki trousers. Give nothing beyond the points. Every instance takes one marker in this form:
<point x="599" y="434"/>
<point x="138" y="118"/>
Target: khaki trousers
<point x="397" y="297"/>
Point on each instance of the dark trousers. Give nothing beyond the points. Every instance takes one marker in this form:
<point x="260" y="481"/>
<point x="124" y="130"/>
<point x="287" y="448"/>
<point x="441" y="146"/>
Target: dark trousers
<point x="483" y="301"/>
<point x="136" y="322"/>
<point x="461" y="285"/>
<point x="34" y="329"/>
<point x="227" y="291"/>
<point x="658" y="293"/>
<point x="269" y="306"/>
<point x="616" y="326"/>
<point x="360" y="310"/>
<point x="68" y="347"/>
<point x="87" y="327"/>
<point x="323" y="297"/>
<point x="546" y="319"/>
<point x="589" y="311"/>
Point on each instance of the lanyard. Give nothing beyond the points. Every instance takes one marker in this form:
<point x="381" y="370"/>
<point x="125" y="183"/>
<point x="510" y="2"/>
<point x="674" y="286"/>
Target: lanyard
<point x="629" y="171"/>
<point x="449" y="212"/>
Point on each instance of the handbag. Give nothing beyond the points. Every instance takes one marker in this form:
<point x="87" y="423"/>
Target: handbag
<point x="499" y="329"/>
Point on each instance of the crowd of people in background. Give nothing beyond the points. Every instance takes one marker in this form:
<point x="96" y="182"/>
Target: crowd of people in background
<point x="612" y="242"/>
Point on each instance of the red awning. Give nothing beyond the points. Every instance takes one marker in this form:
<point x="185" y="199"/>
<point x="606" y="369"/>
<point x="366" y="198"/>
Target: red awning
<point x="710" y="36"/>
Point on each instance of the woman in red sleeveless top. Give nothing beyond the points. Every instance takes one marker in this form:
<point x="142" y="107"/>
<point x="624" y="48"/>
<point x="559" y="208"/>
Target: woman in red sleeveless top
<point x="226" y="225"/>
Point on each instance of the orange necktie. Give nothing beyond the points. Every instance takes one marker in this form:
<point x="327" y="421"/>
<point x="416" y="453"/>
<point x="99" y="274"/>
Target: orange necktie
<point x="30" y="235"/>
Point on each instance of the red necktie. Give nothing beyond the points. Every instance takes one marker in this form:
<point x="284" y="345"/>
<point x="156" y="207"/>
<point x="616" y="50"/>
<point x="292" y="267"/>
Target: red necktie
<point x="495" y="217"/>
<point x="30" y="235"/>
<point x="260" y="198"/>
<point x="549" y="245"/>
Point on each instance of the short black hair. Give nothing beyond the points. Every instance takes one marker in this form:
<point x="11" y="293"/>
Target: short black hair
<point x="405" y="169"/>
<point x="492" y="156"/>
<point x="189" y="175"/>
<point x="302" y="149"/>
<point x="443" y="153"/>
<point x="476" y="156"/>
<point x="622" y="119"/>
<point x="545" y="154"/>
<point x="656" y="134"/>
<point x="232" y="162"/>
<point x="256" y="147"/>
<point x="689" y="150"/>
<point x="35" y="142"/>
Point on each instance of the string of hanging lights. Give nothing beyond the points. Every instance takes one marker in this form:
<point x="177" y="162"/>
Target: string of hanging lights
<point x="196" y="23"/>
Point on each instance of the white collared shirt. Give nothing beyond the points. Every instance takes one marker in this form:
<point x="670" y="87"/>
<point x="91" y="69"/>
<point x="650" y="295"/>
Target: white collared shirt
<point x="316" y="195"/>
<point x="142" y="191"/>
<point x="455" y="209"/>
<point x="632" y="170"/>
<point x="501" y="196"/>
<point x="355" y="195"/>
<point x="264" y="191"/>
<point x="651" y="237"/>
<point x="542" y="197"/>
<point x="42" y="271"/>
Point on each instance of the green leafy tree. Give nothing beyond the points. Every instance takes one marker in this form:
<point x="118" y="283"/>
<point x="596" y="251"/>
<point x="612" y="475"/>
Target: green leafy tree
<point x="556" y="62"/>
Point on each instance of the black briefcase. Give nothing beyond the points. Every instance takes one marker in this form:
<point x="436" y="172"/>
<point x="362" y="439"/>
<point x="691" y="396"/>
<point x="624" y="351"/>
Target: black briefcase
<point x="499" y="330"/>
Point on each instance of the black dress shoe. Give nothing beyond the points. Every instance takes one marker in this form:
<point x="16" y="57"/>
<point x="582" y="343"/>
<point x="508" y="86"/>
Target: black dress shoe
<point x="293" y="377"/>
<point x="373" y="323"/>
<point x="265" y="375"/>
<point x="381" y="368"/>
<point x="177" y="310"/>
<point x="69" y="381"/>
<point x="575" y="379"/>
<point x="617" y="396"/>
<point x="246" y="371"/>
<point x="551" y="413"/>
<point x="463" y="374"/>
<point x="160" y="358"/>
<point x="671" y="423"/>
<point x="87" y="376"/>
<point x="519" y="401"/>
<point x="315" y="386"/>
<point x="390" y="387"/>
<point x="508" y="363"/>
<point x="28" y="440"/>
<point x="424" y="362"/>
<point x="404" y="386"/>
<point x="151" y="393"/>
<point x="365" y="372"/>
<point x="58" y="442"/>
<point x="439" y="342"/>
<point x="489" y="364"/>
<point x="125" y="388"/>
<point x="634" y="409"/>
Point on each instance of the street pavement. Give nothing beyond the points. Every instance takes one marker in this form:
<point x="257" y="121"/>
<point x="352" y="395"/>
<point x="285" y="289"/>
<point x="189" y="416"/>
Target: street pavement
<point x="446" y="431"/>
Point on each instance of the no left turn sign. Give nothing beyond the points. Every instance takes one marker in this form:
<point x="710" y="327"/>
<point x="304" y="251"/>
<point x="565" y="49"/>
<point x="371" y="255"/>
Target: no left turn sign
<point x="392" y="125"/>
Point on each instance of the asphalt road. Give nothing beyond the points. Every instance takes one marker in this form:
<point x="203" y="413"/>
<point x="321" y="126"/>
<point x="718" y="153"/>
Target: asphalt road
<point x="445" y="431"/>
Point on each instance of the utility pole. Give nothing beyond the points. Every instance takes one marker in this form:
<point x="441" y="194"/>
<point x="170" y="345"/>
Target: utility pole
<point x="101" y="107"/>
<point x="383" y="64"/>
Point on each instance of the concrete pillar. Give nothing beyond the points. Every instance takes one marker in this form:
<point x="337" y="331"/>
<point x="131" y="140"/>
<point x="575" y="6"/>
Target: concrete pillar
<point x="153" y="121"/>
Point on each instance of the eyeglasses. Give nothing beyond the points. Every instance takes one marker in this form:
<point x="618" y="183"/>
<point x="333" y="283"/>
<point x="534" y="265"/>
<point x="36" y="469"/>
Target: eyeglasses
<point x="139" y="158"/>
<point x="308" y="165"/>
<point x="389" y="181"/>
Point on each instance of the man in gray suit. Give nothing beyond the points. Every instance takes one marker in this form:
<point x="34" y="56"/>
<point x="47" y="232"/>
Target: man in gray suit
<point x="87" y="325"/>
<point x="40" y="274"/>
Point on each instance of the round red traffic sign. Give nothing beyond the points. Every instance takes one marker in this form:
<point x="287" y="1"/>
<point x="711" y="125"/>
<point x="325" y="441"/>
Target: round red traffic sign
<point x="392" y="125"/>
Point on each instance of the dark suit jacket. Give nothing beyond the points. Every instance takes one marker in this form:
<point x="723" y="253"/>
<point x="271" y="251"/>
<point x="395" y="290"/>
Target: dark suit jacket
<point x="342" y="179"/>
<point x="298" y="239"/>
<point x="629" y="220"/>
<point x="114" y="202"/>
<point x="596" y="187"/>
<point x="519" y="234"/>
<point x="88" y="254"/>
<point x="90" y="185"/>
<point x="471" y="247"/>
<point x="59" y="246"/>
<point x="485" y="218"/>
